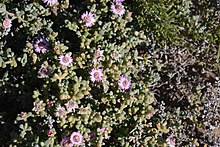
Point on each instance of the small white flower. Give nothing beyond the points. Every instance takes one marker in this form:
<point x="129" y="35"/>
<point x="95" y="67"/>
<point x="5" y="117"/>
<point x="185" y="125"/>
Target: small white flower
<point x="50" y="121"/>
<point x="116" y="55"/>
<point x="39" y="106"/>
<point x="50" y="2"/>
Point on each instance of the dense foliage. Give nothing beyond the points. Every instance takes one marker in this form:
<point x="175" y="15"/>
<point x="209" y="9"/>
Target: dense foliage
<point x="109" y="73"/>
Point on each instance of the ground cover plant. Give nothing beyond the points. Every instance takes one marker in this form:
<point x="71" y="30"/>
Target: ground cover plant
<point x="109" y="73"/>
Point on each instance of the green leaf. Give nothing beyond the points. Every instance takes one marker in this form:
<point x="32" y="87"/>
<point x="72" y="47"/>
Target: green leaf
<point x="2" y="8"/>
<point x="24" y="60"/>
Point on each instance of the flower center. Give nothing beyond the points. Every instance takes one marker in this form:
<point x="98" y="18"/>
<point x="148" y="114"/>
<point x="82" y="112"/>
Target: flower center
<point x="50" y="132"/>
<point x="86" y="19"/>
<point x="41" y="45"/>
<point x="97" y="54"/>
<point x="61" y="112"/>
<point x="118" y="8"/>
<point x="71" y="105"/>
<point x="125" y="82"/>
<point x="91" y="136"/>
<point x="56" y="48"/>
<point x="65" y="59"/>
<point x="76" y="138"/>
<point x="96" y="75"/>
<point x="44" y="71"/>
<point x="65" y="142"/>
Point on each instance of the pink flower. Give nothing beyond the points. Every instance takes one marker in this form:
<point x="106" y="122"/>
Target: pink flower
<point x="151" y="113"/>
<point x="171" y="141"/>
<point x="49" y="132"/>
<point x="117" y="9"/>
<point x="71" y="106"/>
<point x="50" y="2"/>
<point x="41" y="46"/>
<point x="7" y="23"/>
<point x="96" y="75"/>
<point x="49" y="104"/>
<point x="23" y="114"/>
<point x="76" y="138"/>
<point x="65" y="60"/>
<point x="102" y="130"/>
<point x="124" y="83"/>
<point x="60" y="111"/>
<point x="98" y="56"/>
<point x="66" y="142"/>
<point x="118" y="1"/>
<point x="88" y="18"/>
<point x="44" y="71"/>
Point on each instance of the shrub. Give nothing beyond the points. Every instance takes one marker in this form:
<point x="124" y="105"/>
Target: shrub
<point x="107" y="73"/>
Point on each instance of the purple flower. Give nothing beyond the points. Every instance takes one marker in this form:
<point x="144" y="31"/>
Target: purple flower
<point x="102" y="129"/>
<point x="7" y="23"/>
<point x="96" y="75"/>
<point x="124" y="83"/>
<point x="117" y="9"/>
<point x="76" y="138"/>
<point x="41" y="45"/>
<point x="44" y="71"/>
<point x="88" y="18"/>
<point x="65" y="142"/>
<point x="65" y="60"/>
<point x="50" y="2"/>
